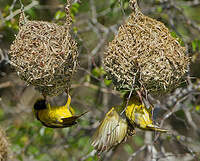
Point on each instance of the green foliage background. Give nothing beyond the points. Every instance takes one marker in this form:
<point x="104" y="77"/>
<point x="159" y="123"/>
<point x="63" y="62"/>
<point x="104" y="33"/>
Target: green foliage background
<point x="95" y="23"/>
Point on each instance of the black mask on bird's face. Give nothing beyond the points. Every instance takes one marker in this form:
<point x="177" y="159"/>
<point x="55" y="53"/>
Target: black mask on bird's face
<point x="40" y="104"/>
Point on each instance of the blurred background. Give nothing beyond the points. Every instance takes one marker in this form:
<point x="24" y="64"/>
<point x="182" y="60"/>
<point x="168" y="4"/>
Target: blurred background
<point x="95" y="24"/>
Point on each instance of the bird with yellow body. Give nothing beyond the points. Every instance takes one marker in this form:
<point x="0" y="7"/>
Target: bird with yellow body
<point x="139" y="115"/>
<point x="56" y="116"/>
<point x="112" y="130"/>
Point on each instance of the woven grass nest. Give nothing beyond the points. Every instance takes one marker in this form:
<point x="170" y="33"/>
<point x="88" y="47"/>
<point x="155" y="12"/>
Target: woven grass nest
<point x="3" y="146"/>
<point x="45" y="55"/>
<point x="145" y="50"/>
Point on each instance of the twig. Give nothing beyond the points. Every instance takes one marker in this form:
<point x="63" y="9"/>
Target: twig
<point x="189" y="118"/>
<point x="5" y="85"/>
<point x="136" y="153"/>
<point x="86" y="84"/>
<point x="91" y="154"/>
<point x="31" y="5"/>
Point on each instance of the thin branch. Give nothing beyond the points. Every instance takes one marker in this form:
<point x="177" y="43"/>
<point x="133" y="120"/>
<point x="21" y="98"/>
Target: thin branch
<point x="136" y="153"/>
<point x="16" y="12"/>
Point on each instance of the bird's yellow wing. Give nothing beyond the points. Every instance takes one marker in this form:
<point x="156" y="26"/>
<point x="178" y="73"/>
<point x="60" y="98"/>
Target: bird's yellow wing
<point x="111" y="131"/>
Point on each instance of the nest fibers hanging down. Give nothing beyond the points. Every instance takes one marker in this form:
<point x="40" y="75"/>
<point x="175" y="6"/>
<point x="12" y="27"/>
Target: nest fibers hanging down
<point x="4" y="146"/>
<point x="45" y="55"/>
<point x="145" y="50"/>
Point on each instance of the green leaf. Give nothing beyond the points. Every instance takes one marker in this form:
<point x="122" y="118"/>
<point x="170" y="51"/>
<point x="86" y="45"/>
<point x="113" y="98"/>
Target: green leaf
<point x="1" y="114"/>
<point x="157" y="1"/>
<point x="159" y="9"/>
<point x="92" y="158"/>
<point x="75" y="8"/>
<point x="128" y="149"/>
<point x="7" y="8"/>
<point x="112" y="3"/>
<point x="178" y="137"/>
<point x="173" y="34"/>
<point x="197" y="108"/>
<point x="75" y="29"/>
<point x="198" y="42"/>
<point x="8" y="24"/>
<point x="126" y="5"/>
<point x="87" y="78"/>
<point x="194" y="45"/>
<point x="59" y="15"/>
<point x="107" y="82"/>
<point x="32" y="150"/>
<point x="96" y="72"/>
<point x="32" y="13"/>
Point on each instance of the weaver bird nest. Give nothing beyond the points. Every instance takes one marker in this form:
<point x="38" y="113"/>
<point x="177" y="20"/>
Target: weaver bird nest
<point x="45" y="55"/>
<point x="144" y="54"/>
<point x="3" y="146"/>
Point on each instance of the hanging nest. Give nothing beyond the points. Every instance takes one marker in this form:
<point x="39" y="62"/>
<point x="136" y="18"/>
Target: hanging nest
<point x="144" y="55"/>
<point x="45" y="55"/>
<point x="3" y="146"/>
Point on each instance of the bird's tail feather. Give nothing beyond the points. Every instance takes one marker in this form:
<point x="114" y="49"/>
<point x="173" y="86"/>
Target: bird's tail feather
<point x="156" y="128"/>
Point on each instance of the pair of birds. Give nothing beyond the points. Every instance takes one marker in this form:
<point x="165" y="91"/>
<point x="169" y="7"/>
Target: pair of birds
<point x="112" y="130"/>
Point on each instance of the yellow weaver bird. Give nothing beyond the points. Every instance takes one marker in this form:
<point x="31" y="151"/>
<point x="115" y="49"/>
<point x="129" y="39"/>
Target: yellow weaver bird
<point x="111" y="131"/>
<point x="139" y="116"/>
<point x="55" y="117"/>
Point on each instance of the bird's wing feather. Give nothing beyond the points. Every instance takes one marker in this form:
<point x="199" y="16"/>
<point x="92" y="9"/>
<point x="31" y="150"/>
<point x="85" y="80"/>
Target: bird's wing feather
<point x="111" y="131"/>
<point x="56" y="125"/>
<point x="72" y="120"/>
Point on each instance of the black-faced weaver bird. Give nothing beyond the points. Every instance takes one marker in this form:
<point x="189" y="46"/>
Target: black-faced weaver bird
<point x="56" y="116"/>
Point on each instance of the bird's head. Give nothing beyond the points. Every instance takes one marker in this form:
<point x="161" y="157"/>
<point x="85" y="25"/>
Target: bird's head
<point x="40" y="104"/>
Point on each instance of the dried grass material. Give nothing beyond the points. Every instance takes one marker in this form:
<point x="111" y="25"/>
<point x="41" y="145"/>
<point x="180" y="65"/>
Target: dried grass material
<point x="145" y="45"/>
<point x="3" y="146"/>
<point x="45" y="55"/>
